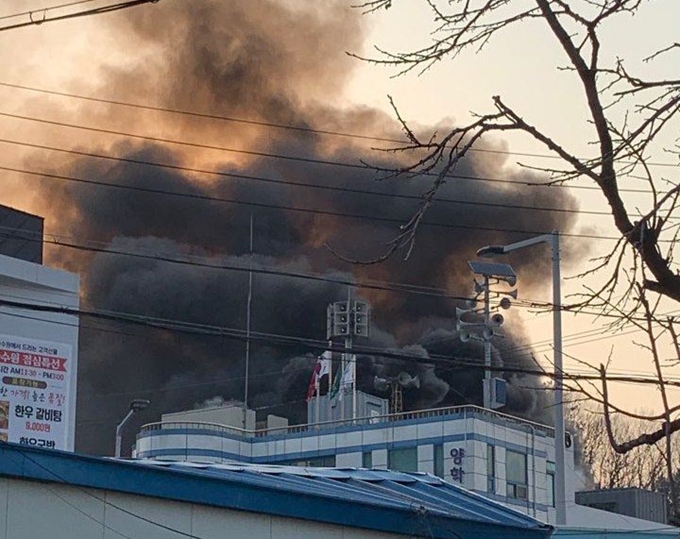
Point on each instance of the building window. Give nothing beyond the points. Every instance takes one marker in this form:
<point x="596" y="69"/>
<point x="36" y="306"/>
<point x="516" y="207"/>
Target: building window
<point x="491" y="469"/>
<point x="367" y="459"/>
<point x="550" y="484"/>
<point x="439" y="460"/>
<point x="403" y="460"/>
<point x="516" y="474"/>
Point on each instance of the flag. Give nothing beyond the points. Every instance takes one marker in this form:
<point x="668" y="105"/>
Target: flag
<point x="326" y="363"/>
<point x="321" y="369"/>
<point x="314" y="381"/>
<point x="348" y="375"/>
<point x="336" y="382"/>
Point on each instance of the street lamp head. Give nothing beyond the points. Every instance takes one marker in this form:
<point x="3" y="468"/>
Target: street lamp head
<point x="490" y="251"/>
<point x="139" y="404"/>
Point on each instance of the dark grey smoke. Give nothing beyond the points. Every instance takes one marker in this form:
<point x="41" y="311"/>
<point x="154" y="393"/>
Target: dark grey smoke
<point x="264" y="61"/>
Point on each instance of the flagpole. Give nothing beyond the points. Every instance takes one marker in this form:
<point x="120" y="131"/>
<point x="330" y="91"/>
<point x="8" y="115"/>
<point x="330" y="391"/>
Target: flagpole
<point x="318" y="399"/>
<point x="329" y="417"/>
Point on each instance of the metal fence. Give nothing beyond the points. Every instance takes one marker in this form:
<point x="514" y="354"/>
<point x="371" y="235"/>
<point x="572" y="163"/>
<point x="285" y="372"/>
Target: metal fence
<point x="465" y="412"/>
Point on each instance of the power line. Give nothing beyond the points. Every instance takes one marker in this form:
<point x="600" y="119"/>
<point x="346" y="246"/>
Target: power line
<point x="94" y="11"/>
<point x="509" y="365"/>
<point x="313" y="345"/>
<point x="70" y="4"/>
<point x="302" y="184"/>
<point x="388" y="286"/>
<point x="506" y="360"/>
<point x="295" y="158"/>
<point x="370" y="284"/>
<point x="292" y="127"/>
<point x="104" y="501"/>
<point x="331" y="213"/>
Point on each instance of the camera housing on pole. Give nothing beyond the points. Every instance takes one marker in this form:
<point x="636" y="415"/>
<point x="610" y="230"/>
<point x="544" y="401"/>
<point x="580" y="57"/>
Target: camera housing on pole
<point x="484" y="327"/>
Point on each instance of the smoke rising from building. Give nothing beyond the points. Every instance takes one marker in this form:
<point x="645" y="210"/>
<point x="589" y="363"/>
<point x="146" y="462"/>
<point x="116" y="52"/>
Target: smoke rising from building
<point x="280" y="63"/>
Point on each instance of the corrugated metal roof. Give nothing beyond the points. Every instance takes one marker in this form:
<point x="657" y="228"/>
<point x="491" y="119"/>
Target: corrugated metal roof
<point x="409" y="491"/>
<point x="413" y="504"/>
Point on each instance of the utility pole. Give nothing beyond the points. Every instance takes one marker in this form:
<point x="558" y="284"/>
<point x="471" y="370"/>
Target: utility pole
<point x="486" y="393"/>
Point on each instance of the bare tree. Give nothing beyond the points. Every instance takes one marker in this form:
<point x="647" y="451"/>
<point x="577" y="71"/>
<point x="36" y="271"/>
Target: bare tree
<point x="606" y="467"/>
<point x="629" y="116"/>
<point x="627" y="113"/>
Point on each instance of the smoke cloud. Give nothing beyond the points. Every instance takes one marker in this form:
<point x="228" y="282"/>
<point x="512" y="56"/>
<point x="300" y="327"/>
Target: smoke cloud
<point x="283" y="63"/>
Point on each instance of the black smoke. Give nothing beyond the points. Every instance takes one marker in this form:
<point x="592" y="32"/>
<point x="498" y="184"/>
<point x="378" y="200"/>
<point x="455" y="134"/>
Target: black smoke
<point x="285" y="65"/>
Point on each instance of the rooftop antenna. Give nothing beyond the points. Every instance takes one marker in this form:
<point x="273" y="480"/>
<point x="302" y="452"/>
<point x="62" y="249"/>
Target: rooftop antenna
<point x="248" y="311"/>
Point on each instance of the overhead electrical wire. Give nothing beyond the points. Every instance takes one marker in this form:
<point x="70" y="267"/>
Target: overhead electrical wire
<point x="371" y="284"/>
<point x="508" y="362"/>
<point x="77" y="14"/>
<point x="107" y="503"/>
<point x="331" y="213"/>
<point x="300" y="184"/>
<point x="294" y="158"/>
<point x="50" y="8"/>
<point x="397" y="287"/>
<point x="197" y="170"/>
<point x="292" y="127"/>
<point x="312" y="345"/>
<point x="508" y="365"/>
<point x="26" y="455"/>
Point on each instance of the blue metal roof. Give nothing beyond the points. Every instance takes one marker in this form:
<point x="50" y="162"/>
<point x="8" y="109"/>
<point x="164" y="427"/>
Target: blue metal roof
<point x="402" y="503"/>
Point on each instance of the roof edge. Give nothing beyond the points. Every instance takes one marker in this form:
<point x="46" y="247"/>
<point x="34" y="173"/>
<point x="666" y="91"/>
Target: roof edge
<point x="246" y="494"/>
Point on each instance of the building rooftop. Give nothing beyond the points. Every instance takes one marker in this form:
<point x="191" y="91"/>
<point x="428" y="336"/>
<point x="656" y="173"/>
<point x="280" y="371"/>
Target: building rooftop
<point x="401" y="503"/>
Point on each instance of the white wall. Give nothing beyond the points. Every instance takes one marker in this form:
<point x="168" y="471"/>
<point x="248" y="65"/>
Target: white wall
<point x="230" y="416"/>
<point x="26" y="282"/>
<point x="33" y="510"/>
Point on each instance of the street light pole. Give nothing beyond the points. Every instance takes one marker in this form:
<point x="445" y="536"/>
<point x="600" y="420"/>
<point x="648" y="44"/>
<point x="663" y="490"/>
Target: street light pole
<point x="135" y="406"/>
<point x="553" y="240"/>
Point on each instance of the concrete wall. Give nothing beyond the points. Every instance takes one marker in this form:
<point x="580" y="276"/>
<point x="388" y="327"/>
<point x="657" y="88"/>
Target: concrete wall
<point x="46" y="510"/>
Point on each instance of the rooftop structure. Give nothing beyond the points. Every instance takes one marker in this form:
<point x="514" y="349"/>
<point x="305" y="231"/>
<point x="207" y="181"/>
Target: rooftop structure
<point x="634" y="502"/>
<point x="21" y="235"/>
<point x="505" y="458"/>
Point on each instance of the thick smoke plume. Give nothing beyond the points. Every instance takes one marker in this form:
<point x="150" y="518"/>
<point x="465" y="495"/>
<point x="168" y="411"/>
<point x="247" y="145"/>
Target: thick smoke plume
<point x="284" y="63"/>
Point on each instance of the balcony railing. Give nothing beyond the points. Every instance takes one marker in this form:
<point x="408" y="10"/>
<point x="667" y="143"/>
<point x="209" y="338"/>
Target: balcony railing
<point x="433" y="413"/>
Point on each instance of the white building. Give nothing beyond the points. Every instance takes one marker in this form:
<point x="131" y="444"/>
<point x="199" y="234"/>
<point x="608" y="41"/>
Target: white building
<point x="38" y="340"/>
<point x="505" y="458"/>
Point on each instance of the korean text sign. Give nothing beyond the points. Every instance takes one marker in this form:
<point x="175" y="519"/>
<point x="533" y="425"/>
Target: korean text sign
<point x="34" y="391"/>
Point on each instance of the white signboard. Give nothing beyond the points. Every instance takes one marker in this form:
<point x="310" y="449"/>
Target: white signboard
<point x="34" y="392"/>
